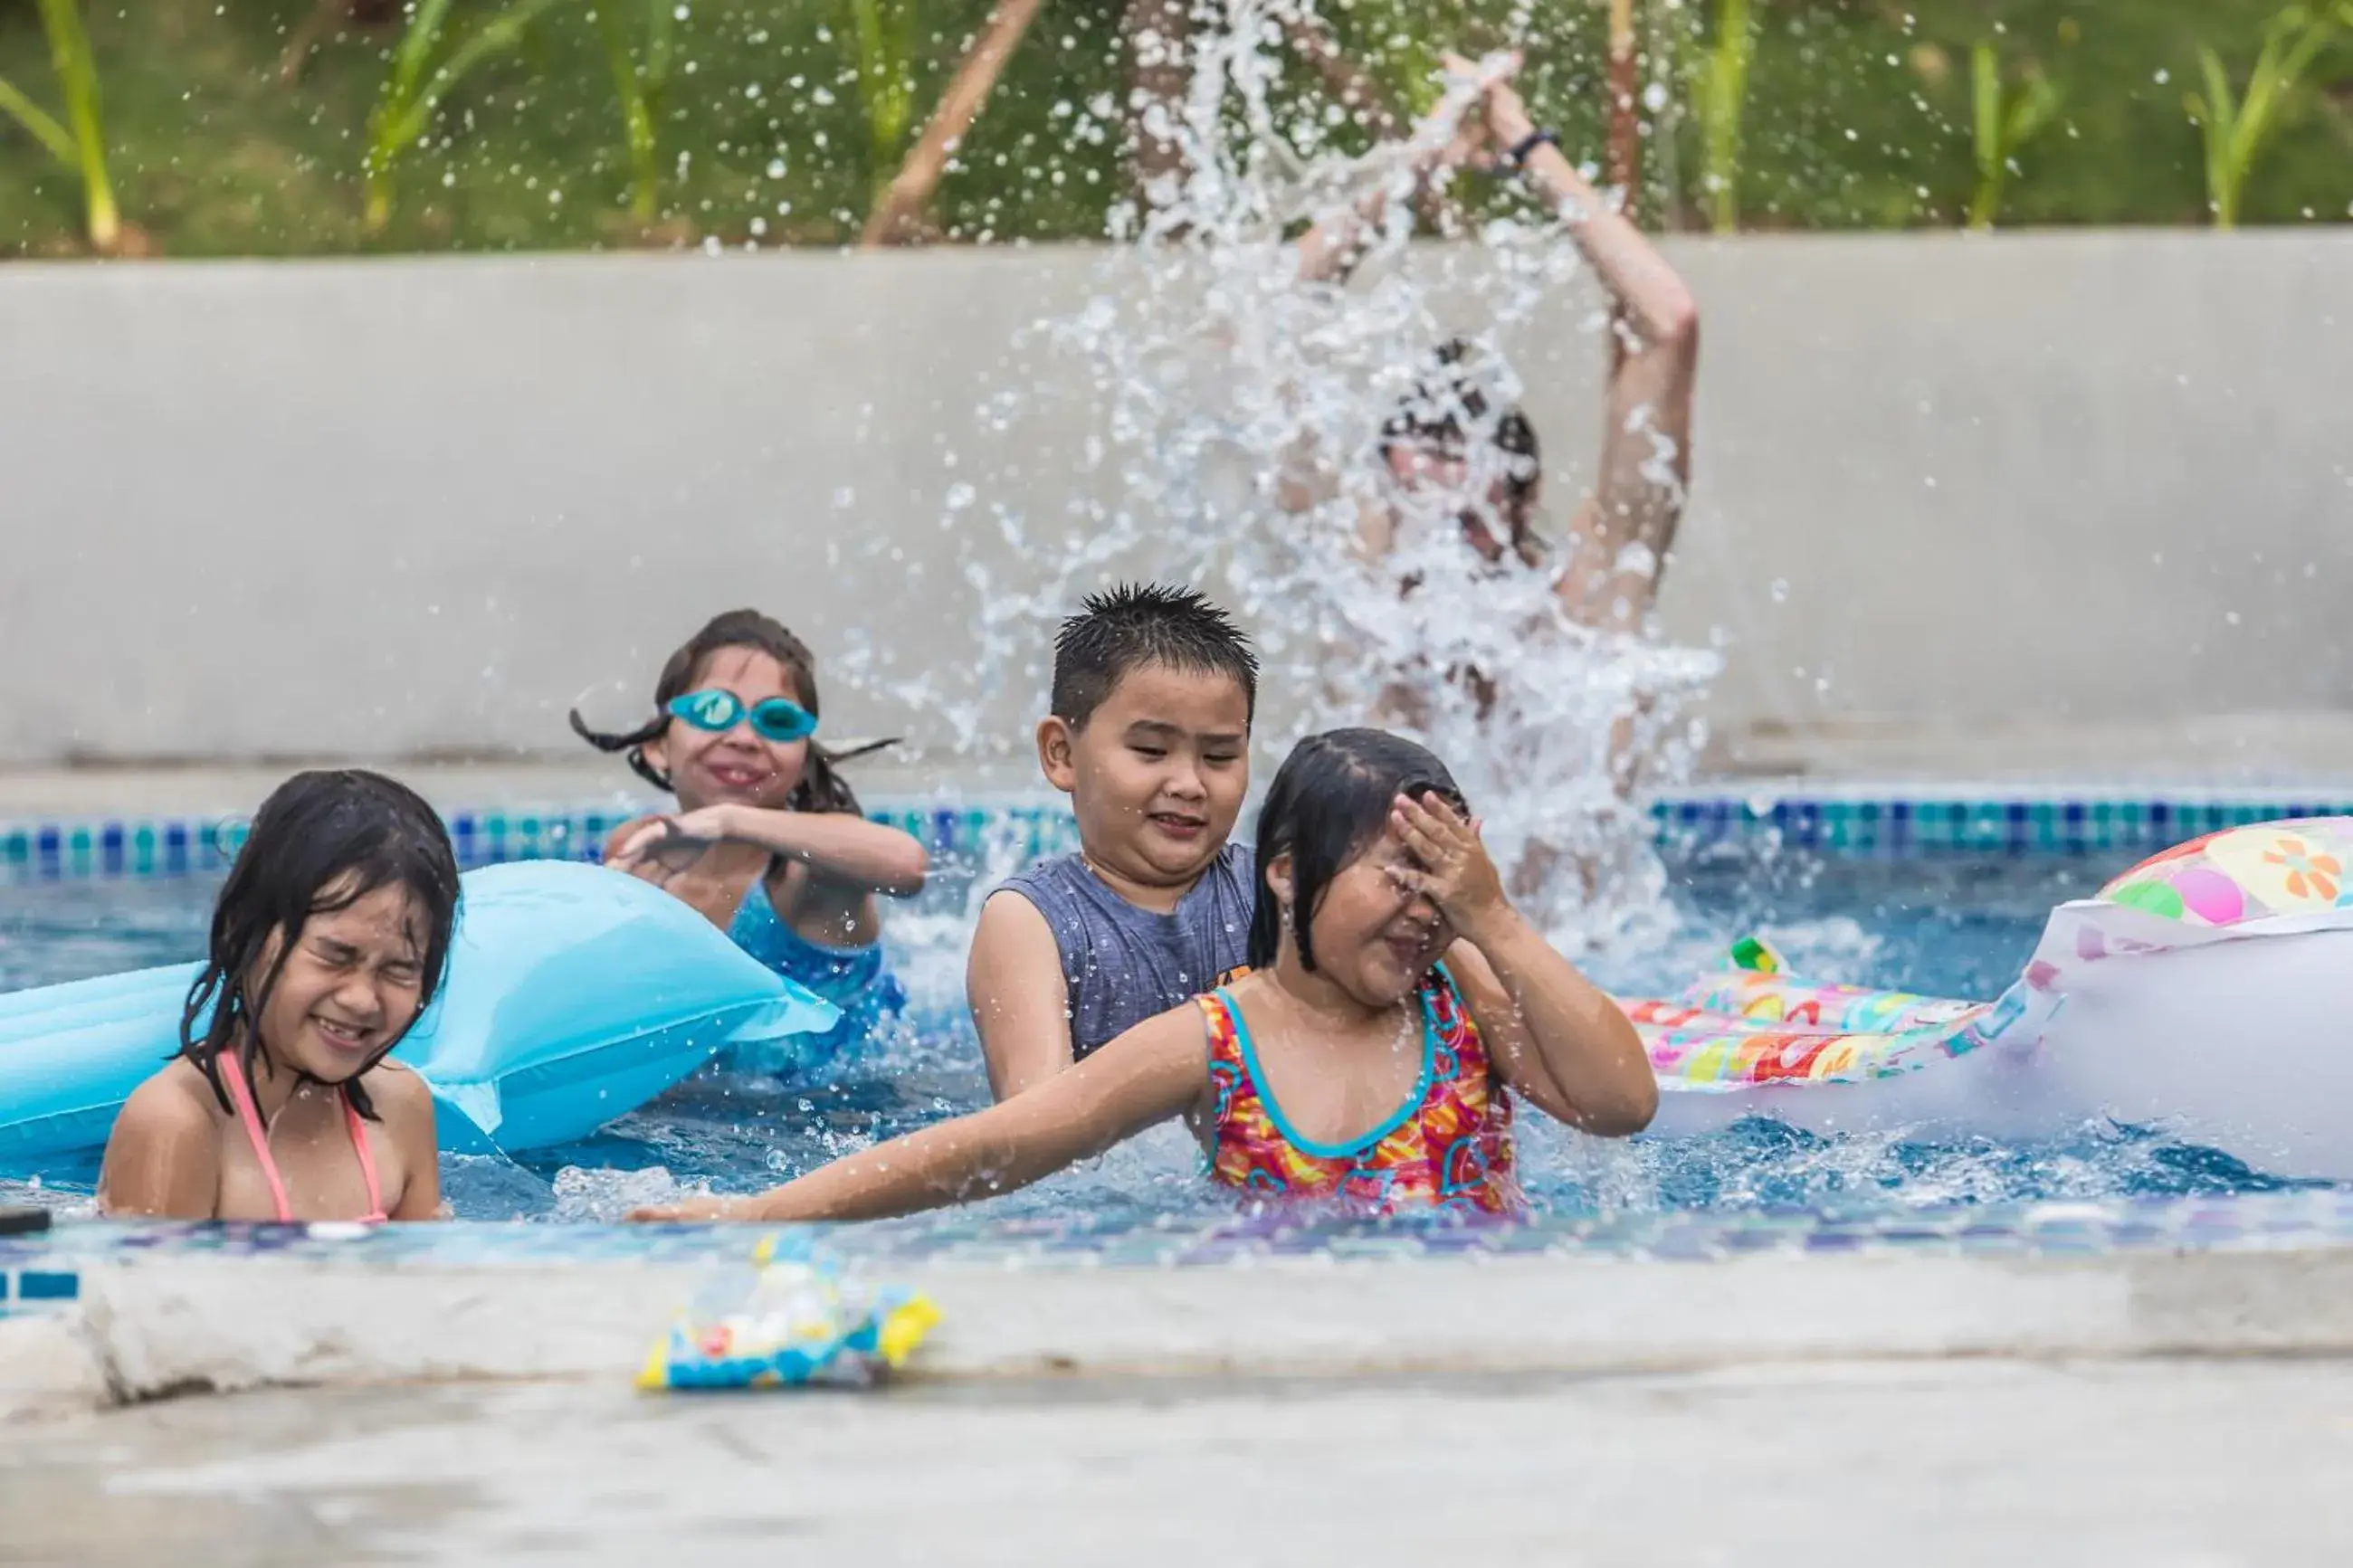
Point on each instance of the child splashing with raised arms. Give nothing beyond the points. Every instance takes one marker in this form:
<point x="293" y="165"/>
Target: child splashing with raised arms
<point x="768" y="842"/>
<point x="1396" y="1004"/>
<point x="328" y="939"/>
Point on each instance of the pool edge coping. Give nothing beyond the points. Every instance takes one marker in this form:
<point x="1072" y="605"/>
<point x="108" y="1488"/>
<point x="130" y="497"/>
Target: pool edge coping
<point x="157" y="1325"/>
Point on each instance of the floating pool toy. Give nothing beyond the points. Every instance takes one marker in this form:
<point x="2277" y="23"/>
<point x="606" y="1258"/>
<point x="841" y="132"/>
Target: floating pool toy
<point x="574" y="995"/>
<point x="2208" y="992"/>
<point x="791" y="1319"/>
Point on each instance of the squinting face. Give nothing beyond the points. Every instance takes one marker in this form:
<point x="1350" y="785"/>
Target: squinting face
<point x="350" y="986"/>
<point x="1159" y="773"/>
<point x="734" y="766"/>
<point x="1373" y="939"/>
<point x="1443" y="474"/>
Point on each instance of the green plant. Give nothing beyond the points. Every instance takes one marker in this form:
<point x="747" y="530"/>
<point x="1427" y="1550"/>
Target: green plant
<point x="81" y="149"/>
<point x="2235" y="129"/>
<point x="423" y="73"/>
<point x="1719" y="94"/>
<point x="883" y="31"/>
<point x="642" y="78"/>
<point x="2005" y="123"/>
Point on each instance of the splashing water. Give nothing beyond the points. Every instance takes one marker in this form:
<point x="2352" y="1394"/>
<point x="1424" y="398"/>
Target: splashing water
<point x="1240" y="412"/>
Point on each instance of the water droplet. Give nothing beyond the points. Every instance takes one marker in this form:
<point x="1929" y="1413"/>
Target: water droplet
<point x="1780" y="590"/>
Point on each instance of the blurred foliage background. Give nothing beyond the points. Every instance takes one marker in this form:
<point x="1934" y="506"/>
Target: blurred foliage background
<point x="287" y="127"/>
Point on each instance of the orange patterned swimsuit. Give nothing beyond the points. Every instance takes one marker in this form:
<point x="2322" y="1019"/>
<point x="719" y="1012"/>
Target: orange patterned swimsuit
<point x="1449" y="1145"/>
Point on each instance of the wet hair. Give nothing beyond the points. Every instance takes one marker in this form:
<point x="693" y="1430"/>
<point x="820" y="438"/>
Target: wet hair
<point x="322" y="842"/>
<point x="1136" y="624"/>
<point x="821" y="788"/>
<point x="1453" y="395"/>
<point x="1330" y="801"/>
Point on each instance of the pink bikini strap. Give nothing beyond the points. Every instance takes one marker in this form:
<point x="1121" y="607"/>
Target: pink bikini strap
<point x="258" y="1136"/>
<point x="234" y="1075"/>
<point x="375" y="1215"/>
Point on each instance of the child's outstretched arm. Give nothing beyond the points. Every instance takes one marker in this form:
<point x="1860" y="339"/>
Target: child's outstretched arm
<point x="1020" y="1001"/>
<point x="844" y="849"/>
<point x="1156" y="1070"/>
<point x="1555" y="1037"/>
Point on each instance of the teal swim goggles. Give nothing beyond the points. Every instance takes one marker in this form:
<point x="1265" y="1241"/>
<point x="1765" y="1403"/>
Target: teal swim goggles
<point x="778" y="718"/>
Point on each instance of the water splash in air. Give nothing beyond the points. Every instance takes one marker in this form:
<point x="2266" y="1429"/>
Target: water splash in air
<point x="1238" y="413"/>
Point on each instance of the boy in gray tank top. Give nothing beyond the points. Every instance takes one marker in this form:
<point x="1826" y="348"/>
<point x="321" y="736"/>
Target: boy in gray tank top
<point x="1155" y="688"/>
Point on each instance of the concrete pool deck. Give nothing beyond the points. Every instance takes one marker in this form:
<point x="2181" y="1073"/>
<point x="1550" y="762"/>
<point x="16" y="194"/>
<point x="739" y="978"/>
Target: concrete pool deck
<point x="2057" y="1464"/>
<point x="2157" y="1408"/>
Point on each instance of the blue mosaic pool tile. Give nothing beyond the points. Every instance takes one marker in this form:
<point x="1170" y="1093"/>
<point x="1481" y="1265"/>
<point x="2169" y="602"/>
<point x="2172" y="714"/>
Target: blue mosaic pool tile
<point x="1874" y="825"/>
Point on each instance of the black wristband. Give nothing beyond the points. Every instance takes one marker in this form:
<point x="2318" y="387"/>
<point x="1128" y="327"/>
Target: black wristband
<point x="1517" y="157"/>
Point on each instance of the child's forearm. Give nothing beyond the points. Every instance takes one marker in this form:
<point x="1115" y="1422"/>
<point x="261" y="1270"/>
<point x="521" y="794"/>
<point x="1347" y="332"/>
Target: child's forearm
<point x="982" y="1155"/>
<point x="1151" y="1073"/>
<point x="844" y="847"/>
<point x="1629" y="266"/>
<point x="955" y="1162"/>
<point x="1584" y="1041"/>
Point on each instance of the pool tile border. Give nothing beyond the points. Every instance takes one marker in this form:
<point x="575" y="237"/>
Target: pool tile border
<point x="1854" y="822"/>
<point x="1978" y="823"/>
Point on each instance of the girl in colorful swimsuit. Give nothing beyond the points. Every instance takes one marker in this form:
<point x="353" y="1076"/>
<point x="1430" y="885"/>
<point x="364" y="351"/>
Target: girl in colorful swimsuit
<point x="1396" y="1005"/>
<point x="767" y="842"/>
<point x="328" y="939"/>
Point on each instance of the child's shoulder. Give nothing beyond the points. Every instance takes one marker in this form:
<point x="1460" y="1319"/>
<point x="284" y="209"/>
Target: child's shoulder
<point x="177" y="1100"/>
<point x="396" y="1089"/>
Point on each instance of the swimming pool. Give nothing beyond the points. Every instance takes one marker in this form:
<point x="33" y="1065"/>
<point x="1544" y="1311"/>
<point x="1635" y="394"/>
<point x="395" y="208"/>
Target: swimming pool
<point x="1954" y="915"/>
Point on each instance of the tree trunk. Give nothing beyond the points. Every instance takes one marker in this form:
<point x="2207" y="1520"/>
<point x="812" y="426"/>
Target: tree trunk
<point x="1625" y="147"/>
<point x="896" y="217"/>
<point x="1158" y="72"/>
<point x="1625" y="157"/>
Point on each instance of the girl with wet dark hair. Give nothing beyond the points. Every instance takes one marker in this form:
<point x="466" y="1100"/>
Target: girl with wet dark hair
<point x="1458" y="445"/>
<point x="1396" y="1005"/>
<point x="328" y="939"/>
<point x="768" y="841"/>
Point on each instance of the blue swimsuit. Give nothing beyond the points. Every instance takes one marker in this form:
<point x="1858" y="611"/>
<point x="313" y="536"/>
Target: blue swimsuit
<point x="852" y="978"/>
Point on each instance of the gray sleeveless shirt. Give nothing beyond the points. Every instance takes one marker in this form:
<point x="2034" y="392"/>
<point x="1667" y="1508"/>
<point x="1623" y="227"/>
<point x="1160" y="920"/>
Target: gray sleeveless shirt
<point x="1123" y="964"/>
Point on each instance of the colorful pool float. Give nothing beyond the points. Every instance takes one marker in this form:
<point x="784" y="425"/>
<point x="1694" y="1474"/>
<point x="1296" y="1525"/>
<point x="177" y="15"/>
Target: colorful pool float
<point x="2207" y="991"/>
<point x="574" y="995"/>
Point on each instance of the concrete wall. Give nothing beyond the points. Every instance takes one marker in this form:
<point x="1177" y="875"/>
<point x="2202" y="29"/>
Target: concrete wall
<point x="413" y="507"/>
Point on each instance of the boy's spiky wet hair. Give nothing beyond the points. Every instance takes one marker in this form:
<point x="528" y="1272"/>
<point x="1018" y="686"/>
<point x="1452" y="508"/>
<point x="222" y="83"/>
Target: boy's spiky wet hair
<point x="1137" y="624"/>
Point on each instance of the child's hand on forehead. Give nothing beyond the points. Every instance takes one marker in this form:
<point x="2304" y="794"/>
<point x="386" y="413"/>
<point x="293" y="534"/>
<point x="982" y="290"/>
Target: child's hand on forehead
<point x="1454" y="871"/>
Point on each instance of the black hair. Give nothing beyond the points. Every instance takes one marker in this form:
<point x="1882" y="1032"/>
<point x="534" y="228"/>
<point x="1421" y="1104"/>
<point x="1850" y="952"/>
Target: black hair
<point x="1436" y="411"/>
<point x="1136" y="624"/>
<point x="821" y="788"/>
<point x="1330" y="800"/>
<point x="322" y="842"/>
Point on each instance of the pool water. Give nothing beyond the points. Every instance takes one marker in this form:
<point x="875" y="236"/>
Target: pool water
<point x="1950" y="927"/>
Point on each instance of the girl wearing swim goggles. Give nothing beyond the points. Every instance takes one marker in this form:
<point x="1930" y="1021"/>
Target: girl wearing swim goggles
<point x="767" y="841"/>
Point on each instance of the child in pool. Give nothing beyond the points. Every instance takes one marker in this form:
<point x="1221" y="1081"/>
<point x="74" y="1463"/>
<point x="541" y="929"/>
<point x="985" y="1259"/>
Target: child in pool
<point x="1395" y="1003"/>
<point x="1149" y="735"/>
<point x="328" y="939"/>
<point x="768" y="842"/>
